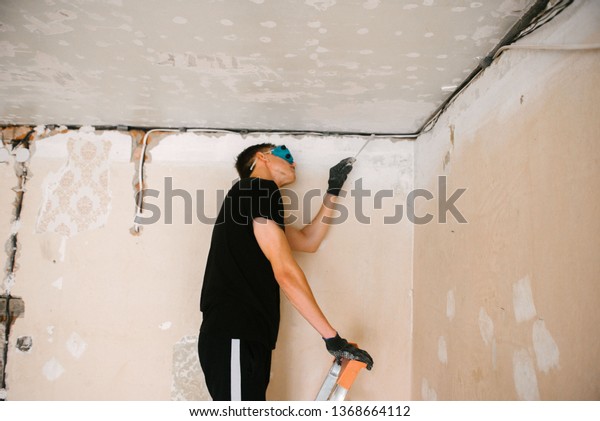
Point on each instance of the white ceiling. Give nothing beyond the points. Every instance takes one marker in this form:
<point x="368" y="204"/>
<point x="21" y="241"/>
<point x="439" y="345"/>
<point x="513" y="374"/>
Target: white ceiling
<point x="363" y="66"/>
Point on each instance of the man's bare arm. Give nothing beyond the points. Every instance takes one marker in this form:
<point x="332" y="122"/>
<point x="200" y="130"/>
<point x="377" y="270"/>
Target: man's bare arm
<point x="310" y="237"/>
<point x="274" y="244"/>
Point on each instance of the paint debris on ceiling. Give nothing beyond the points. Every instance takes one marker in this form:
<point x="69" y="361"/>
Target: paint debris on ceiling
<point x="365" y="66"/>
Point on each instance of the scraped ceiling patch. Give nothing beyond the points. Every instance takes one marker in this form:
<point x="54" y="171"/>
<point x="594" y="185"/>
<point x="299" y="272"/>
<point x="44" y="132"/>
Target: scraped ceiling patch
<point x="77" y="198"/>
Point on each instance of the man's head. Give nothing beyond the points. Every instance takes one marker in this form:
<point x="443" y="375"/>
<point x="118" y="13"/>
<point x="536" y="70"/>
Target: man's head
<point x="267" y="161"/>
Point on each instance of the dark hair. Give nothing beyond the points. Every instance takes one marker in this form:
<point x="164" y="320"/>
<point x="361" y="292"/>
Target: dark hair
<point x="245" y="159"/>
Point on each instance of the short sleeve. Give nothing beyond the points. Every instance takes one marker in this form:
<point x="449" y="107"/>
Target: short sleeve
<point x="261" y="199"/>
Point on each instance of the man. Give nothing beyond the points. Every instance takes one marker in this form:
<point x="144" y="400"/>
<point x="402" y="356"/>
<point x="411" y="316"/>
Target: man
<point x="250" y="260"/>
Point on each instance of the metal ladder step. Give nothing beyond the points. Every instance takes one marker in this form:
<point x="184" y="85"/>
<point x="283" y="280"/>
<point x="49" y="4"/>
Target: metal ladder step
<point x="339" y="379"/>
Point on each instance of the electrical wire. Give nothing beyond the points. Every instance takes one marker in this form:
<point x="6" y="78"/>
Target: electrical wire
<point x="542" y="47"/>
<point x="545" y="17"/>
<point x="542" y="18"/>
<point x="566" y="47"/>
<point x="139" y="210"/>
<point x="208" y="131"/>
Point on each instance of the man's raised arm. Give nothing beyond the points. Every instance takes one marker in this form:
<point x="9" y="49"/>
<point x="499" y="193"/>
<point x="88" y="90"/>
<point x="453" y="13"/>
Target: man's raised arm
<point x="310" y="237"/>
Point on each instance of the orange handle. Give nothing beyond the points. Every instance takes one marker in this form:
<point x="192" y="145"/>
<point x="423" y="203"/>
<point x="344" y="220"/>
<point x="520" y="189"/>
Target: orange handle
<point x="350" y="369"/>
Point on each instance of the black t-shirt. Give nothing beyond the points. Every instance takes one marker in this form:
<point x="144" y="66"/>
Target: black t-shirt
<point x="240" y="296"/>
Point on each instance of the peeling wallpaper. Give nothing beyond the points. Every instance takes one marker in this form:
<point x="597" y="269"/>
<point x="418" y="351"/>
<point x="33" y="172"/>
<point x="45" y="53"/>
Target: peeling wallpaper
<point x="77" y="198"/>
<point x="348" y="66"/>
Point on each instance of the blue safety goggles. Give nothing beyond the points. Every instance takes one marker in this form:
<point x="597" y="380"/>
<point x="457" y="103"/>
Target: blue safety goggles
<point x="280" y="151"/>
<point x="283" y="152"/>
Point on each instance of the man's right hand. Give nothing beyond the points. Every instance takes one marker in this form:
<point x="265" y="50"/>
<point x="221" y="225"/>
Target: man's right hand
<point x="340" y="348"/>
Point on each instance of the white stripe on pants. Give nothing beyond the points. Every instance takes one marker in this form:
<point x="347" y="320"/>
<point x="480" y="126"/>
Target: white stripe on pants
<point x="236" y="371"/>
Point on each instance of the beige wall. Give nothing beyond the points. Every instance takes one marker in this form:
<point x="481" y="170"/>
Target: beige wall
<point x="507" y="306"/>
<point x="115" y="316"/>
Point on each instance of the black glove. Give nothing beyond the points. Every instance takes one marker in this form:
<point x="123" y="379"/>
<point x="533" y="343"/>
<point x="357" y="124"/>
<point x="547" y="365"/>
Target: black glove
<point x="338" y="174"/>
<point x="340" y="348"/>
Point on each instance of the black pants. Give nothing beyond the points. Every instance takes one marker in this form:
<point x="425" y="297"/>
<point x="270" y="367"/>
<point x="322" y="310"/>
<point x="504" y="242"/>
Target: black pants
<point x="234" y="369"/>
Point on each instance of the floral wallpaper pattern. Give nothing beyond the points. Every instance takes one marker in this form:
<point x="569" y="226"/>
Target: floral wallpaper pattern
<point x="78" y="197"/>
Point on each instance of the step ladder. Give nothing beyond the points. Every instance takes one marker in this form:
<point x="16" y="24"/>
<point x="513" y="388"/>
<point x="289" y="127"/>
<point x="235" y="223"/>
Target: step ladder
<point x="340" y="378"/>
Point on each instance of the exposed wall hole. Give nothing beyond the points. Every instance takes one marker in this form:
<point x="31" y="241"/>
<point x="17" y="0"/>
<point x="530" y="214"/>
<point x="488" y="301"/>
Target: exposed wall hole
<point x="24" y="343"/>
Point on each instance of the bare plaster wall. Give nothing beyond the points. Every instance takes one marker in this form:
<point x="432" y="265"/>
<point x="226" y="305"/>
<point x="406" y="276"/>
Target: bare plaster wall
<point x="506" y="306"/>
<point x="114" y="316"/>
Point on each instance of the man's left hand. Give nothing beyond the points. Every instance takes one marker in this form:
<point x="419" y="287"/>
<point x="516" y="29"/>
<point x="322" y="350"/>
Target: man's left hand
<point x="338" y="175"/>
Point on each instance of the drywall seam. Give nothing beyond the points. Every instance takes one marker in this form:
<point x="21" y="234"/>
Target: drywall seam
<point x="412" y="287"/>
